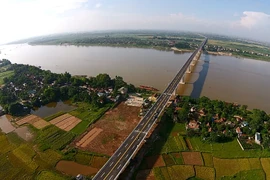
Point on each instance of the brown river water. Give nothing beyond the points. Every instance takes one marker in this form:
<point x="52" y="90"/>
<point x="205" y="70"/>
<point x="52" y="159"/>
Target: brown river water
<point x="231" y="79"/>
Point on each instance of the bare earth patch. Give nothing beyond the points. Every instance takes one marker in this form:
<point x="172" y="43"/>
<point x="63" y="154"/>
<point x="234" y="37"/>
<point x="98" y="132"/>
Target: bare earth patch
<point x="192" y="158"/>
<point x="34" y="120"/>
<point x="90" y="136"/>
<point x="155" y="161"/>
<point x="73" y="168"/>
<point x="26" y="119"/>
<point x="116" y="125"/>
<point x="66" y="122"/>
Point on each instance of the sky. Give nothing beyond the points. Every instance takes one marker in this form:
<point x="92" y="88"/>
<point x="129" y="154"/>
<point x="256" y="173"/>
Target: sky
<point x="28" y="18"/>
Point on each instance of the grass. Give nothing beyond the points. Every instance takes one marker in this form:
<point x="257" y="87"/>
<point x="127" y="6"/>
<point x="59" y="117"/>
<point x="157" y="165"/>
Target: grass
<point x="98" y="162"/>
<point x="53" y="137"/>
<point x="50" y="156"/>
<point x="226" y="150"/>
<point x="158" y="174"/>
<point x="45" y="175"/>
<point x="247" y="175"/>
<point x="168" y="159"/>
<point x="178" y="159"/>
<point x="181" y="172"/>
<point x="266" y="166"/>
<point x="26" y="155"/>
<point x="165" y="173"/>
<point x="208" y="159"/>
<point x="13" y="138"/>
<point x="5" y="74"/>
<point x="83" y="158"/>
<point x="88" y="114"/>
<point x="51" y="117"/>
<point x="179" y="128"/>
<point x="229" y="167"/>
<point x="245" y="47"/>
<point x="205" y="173"/>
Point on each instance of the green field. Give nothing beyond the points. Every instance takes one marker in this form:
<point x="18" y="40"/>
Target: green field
<point x="220" y="160"/>
<point x="247" y="175"/>
<point x="226" y="150"/>
<point x="54" y="138"/>
<point x="45" y="175"/>
<point x="5" y="74"/>
<point x="51" y="117"/>
<point x="88" y="114"/>
<point x="19" y="160"/>
<point x="243" y="46"/>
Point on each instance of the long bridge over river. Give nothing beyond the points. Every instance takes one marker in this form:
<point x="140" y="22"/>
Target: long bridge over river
<point x="122" y="156"/>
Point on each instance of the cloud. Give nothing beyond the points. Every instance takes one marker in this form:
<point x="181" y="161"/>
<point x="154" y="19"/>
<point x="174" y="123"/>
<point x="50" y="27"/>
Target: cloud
<point x="252" y="19"/>
<point x="98" y="5"/>
<point x="27" y="19"/>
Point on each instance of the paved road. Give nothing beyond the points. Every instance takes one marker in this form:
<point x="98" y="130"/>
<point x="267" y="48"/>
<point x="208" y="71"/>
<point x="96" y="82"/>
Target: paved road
<point x="120" y="159"/>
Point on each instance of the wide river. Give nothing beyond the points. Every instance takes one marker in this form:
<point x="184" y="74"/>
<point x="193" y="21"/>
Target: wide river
<point x="231" y="79"/>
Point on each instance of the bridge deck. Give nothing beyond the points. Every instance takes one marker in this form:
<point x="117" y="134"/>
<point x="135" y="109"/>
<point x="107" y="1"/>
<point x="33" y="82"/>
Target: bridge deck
<point x="120" y="159"/>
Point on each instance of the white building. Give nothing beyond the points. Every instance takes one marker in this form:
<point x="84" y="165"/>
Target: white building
<point x="258" y="138"/>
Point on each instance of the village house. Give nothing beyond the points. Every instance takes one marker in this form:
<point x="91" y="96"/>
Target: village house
<point x="123" y="90"/>
<point x="238" y="118"/>
<point x="193" y="124"/>
<point x="238" y="131"/>
<point x="258" y="138"/>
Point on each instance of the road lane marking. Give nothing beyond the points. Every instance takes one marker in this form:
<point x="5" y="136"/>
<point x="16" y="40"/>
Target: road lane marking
<point x="111" y="164"/>
<point x="167" y="90"/>
<point x="102" y="174"/>
<point x="132" y="137"/>
<point x="126" y="145"/>
<point x="160" y="104"/>
<point x="119" y="166"/>
<point x="119" y="153"/>
<point x="111" y="177"/>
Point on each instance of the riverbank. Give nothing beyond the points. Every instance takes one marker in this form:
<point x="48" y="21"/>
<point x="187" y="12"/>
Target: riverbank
<point x="160" y="48"/>
<point x="219" y="53"/>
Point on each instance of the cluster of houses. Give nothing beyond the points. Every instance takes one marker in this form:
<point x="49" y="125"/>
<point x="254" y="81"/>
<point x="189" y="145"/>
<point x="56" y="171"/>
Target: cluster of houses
<point x="223" y="49"/>
<point x="237" y="126"/>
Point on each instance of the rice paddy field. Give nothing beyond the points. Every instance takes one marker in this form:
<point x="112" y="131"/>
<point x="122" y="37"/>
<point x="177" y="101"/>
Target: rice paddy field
<point x="190" y="158"/>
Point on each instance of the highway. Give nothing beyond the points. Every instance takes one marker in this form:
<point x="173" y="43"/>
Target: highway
<point x="120" y="159"/>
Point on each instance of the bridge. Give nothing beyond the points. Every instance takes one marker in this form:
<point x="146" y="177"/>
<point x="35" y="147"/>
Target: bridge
<point x="121" y="158"/>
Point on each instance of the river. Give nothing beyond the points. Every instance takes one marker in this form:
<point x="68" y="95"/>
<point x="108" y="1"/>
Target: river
<point x="231" y="79"/>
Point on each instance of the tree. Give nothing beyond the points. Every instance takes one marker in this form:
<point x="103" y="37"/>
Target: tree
<point x="182" y="115"/>
<point x="119" y="82"/>
<point x="103" y="80"/>
<point x="16" y="109"/>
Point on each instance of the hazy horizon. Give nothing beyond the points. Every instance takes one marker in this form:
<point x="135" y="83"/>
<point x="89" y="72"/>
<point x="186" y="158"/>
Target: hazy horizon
<point x="23" y="19"/>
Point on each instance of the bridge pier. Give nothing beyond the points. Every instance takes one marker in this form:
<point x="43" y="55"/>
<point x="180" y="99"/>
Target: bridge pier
<point x="182" y="81"/>
<point x="188" y="69"/>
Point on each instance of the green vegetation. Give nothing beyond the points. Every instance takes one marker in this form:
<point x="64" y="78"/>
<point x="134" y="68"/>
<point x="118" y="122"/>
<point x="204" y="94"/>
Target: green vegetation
<point x="223" y="158"/>
<point x="19" y="160"/>
<point x="219" y="121"/>
<point x="27" y="87"/>
<point x="161" y="40"/>
<point x="229" y="167"/>
<point x="53" y="137"/>
<point x="48" y="118"/>
<point x="4" y="75"/>
<point x="242" y="49"/>
<point x="142" y="39"/>
<point x="205" y="173"/>
<point x="88" y="113"/>
<point x="45" y="175"/>
<point x="248" y="175"/>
